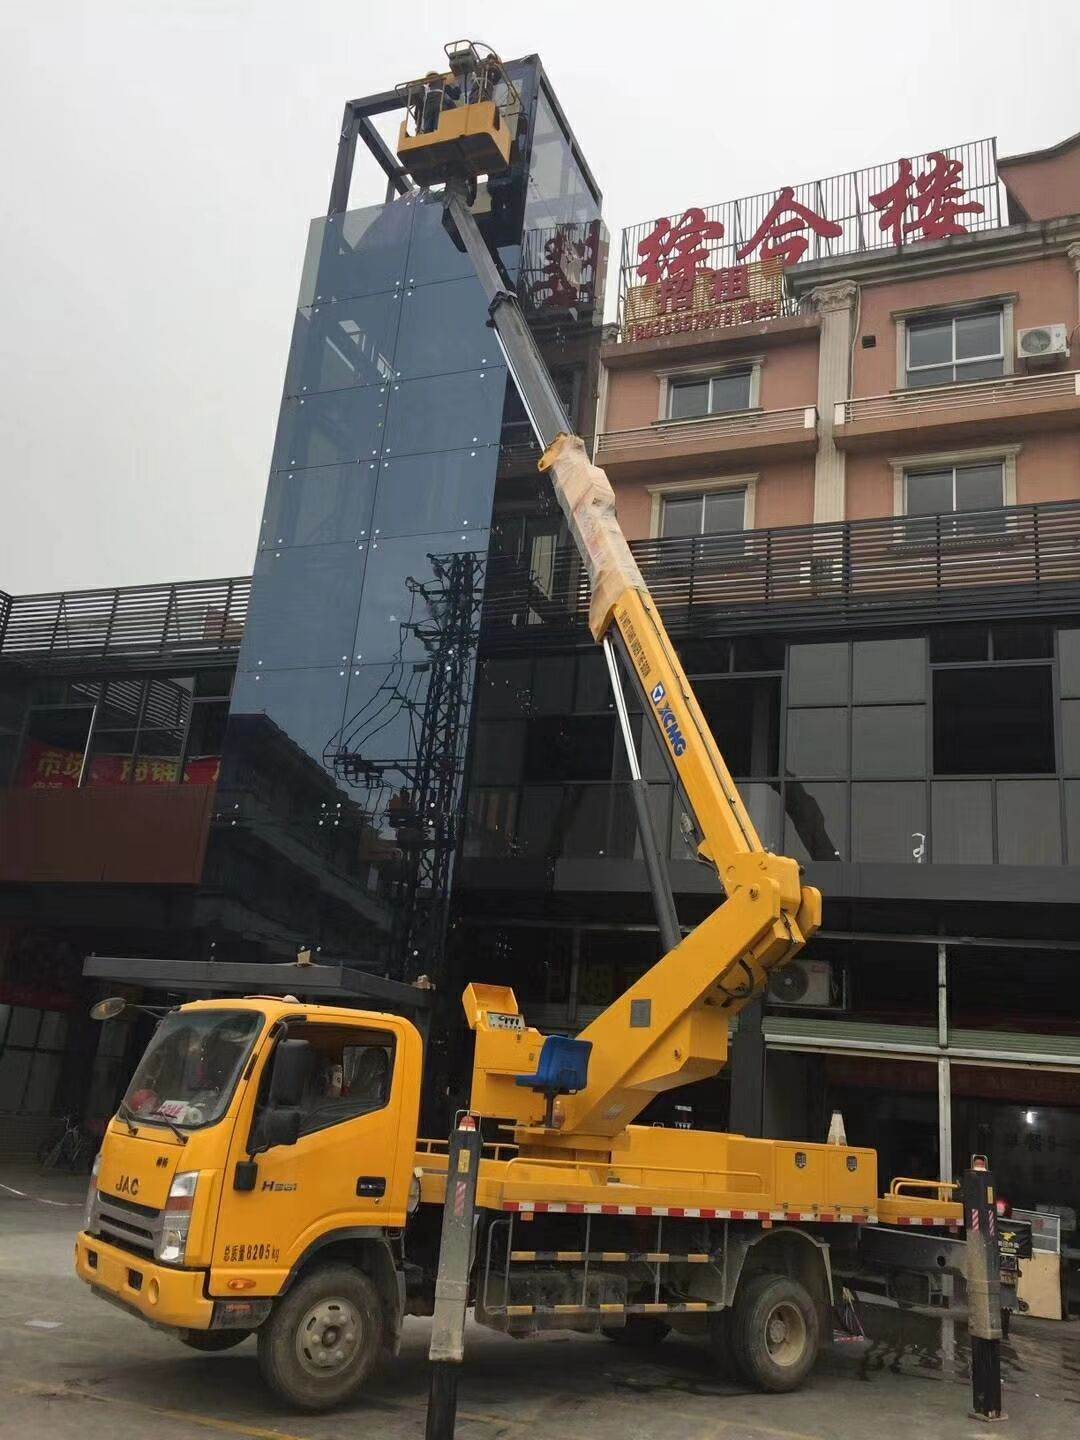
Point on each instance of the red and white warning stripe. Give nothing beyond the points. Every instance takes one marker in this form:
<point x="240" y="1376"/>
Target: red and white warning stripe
<point x="679" y="1212"/>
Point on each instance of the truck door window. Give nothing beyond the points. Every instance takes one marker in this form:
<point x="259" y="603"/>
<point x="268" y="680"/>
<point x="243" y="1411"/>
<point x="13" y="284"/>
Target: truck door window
<point x="352" y="1074"/>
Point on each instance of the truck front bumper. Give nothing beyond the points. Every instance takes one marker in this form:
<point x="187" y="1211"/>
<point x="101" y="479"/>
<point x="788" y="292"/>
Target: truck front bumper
<point x="158" y="1294"/>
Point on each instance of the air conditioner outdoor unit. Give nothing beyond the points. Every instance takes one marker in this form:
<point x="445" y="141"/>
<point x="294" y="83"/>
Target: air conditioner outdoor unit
<point x="807" y="985"/>
<point x="1042" y="344"/>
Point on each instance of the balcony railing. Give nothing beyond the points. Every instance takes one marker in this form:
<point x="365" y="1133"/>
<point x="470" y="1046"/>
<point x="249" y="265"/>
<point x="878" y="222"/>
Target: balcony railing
<point x="1023" y="557"/>
<point x="970" y="395"/>
<point x="192" y="617"/>
<point x="676" y="434"/>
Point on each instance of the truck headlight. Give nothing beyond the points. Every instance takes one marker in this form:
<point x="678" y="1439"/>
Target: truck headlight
<point x="176" y="1219"/>
<point x="90" y="1208"/>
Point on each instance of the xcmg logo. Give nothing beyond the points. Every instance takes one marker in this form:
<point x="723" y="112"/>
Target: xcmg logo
<point x="668" y="721"/>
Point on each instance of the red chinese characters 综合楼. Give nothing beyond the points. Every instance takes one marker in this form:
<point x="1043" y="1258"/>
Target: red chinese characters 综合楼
<point x="936" y="197"/>
<point x="786" y="239"/>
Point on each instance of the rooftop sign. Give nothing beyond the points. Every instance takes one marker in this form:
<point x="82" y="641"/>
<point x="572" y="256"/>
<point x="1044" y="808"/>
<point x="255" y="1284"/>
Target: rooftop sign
<point x="724" y="264"/>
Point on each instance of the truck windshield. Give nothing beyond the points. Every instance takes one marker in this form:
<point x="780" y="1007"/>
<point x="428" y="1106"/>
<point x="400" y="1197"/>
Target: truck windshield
<point x="191" y="1066"/>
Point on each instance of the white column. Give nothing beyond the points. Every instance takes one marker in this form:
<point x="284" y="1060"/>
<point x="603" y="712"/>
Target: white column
<point x="836" y="304"/>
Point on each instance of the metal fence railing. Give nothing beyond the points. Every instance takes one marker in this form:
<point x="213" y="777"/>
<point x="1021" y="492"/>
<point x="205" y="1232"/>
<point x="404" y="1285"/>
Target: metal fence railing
<point x="189" y="617"/>
<point x="677" y="433"/>
<point x="892" y="568"/>
<point x="970" y="394"/>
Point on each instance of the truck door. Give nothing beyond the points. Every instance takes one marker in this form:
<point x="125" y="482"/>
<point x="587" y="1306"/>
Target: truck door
<point x="348" y="1168"/>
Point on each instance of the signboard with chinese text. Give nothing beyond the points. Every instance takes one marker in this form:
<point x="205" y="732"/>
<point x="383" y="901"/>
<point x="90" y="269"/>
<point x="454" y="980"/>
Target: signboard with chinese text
<point x="50" y="767"/>
<point x="668" y="265"/>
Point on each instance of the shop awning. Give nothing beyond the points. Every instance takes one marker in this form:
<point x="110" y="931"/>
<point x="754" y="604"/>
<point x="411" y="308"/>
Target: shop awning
<point x="972" y="1047"/>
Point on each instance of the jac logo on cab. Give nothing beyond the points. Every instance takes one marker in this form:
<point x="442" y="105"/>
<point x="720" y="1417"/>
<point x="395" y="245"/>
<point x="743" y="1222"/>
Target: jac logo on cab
<point x="668" y="721"/>
<point x="127" y="1185"/>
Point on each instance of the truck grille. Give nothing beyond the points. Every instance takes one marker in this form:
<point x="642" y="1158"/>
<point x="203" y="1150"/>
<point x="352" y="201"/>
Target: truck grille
<point x="132" y="1227"/>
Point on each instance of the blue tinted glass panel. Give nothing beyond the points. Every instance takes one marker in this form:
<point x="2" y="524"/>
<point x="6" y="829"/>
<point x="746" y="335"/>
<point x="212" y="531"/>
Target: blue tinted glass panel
<point x="320" y="506"/>
<point x="433" y="256"/>
<point x="446" y="412"/>
<point x="356" y="254"/>
<point x="303" y="606"/>
<point x="413" y="587"/>
<point x="443" y="491"/>
<point x="444" y="327"/>
<point x="332" y="429"/>
<point x="343" y="344"/>
<point x="302" y="707"/>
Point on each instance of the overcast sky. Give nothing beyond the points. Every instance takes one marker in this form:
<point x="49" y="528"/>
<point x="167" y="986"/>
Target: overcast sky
<point x="162" y="159"/>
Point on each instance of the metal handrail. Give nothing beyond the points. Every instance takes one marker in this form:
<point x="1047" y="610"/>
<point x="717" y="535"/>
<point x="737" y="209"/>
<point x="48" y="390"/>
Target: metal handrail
<point x="962" y="395"/>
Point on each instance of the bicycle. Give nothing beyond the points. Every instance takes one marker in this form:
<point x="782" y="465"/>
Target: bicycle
<point x="71" y="1151"/>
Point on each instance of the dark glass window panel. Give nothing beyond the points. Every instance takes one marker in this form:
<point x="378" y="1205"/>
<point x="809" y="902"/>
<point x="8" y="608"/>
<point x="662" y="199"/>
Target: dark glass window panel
<point x="120" y="705"/>
<point x="1069" y="661"/>
<point x="320" y="506"/>
<point x="1029" y="822"/>
<point x="681" y="517"/>
<point x="887" y="821"/>
<point x="724" y="513"/>
<point x="52" y="753"/>
<point x="504" y="687"/>
<point x="930" y="492"/>
<point x="596" y="820"/>
<point x="342" y="344"/>
<point x="962" y="820"/>
<point x="1072" y="819"/>
<point x="9" y="747"/>
<point x="889" y="670"/>
<point x="358" y="253"/>
<point x="655" y="757"/>
<point x="959" y="642"/>
<point x="214" y="682"/>
<point x="930" y="344"/>
<point x="593" y="690"/>
<point x="817" y="743"/>
<point x="979" y="487"/>
<point x="758" y="652"/>
<point x="935" y="375"/>
<point x="553" y="681"/>
<point x="558" y="193"/>
<point x="1018" y="739"/>
<point x="689" y="400"/>
<point x="730" y="392"/>
<point x="491" y="822"/>
<point x="384" y="715"/>
<point x="339" y="427"/>
<point x="443" y="328"/>
<point x="415" y="586"/>
<point x="571" y="747"/>
<point x="818" y="674"/>
<point x="158" y="744"/>
<point x="206" y="736"/>
<point x="1023" y="642"/>
<point x="1070" y="736"/>
<point x="815" y="824"/>
<point x="303" y="607"/>
<point x="978" y="335"/>
<point x="540" y="820"/>
<point x="888" y="741"/>
<point x="167" y="704"/>
<point x="498" y="752"/>
<point x="283" y="722"/>
<point x="446" y="412"/>
<point x="767" y="812"/>
<point x="437" y="492"/>
<point x="14" y="1070"/>
<point x="433" y="256"/>
<point x="744" y="716"/>
<point x="109" y="758"/>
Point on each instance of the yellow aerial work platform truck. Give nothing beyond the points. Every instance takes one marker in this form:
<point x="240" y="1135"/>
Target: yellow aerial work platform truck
<point x="264" y="1171"/>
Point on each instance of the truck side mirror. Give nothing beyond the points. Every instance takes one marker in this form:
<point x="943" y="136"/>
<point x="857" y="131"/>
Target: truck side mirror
<point x="279" y="1127"/>
<point x="293" y="1060"/>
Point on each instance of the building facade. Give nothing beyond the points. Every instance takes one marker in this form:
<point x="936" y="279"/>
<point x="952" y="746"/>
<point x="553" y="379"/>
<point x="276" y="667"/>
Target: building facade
<point x="849" y="466"/>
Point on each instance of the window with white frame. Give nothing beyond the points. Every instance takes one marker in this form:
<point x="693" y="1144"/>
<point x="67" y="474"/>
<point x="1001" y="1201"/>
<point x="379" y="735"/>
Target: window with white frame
<point x="708" y="512"/>
<point x="700" y="395"/>
<point x="971" y="496"/>
<point x="946" y="349"/>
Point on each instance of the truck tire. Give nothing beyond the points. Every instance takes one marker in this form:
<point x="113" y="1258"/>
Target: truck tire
<point x="211" y="1342"/>
<point x="719" y="1342"/>
<point x="774" y="1332"/>
<point x="641" y="1332"/>
<point x="323" y="1338"/>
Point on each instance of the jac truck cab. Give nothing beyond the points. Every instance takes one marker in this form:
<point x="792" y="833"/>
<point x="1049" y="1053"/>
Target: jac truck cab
<point x="258" y="1175"/>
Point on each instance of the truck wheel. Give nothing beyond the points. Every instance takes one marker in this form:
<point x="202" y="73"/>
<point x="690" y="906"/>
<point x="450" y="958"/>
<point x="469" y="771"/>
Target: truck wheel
<point x="322" y="1339"/>
<point x="774" y="1332"/>
<point x="640" y="1332"/>
<point x="210" y="1342"/>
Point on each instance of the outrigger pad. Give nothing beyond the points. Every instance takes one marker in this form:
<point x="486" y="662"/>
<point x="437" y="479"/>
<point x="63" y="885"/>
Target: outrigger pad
<point x="563" y="1068"/>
